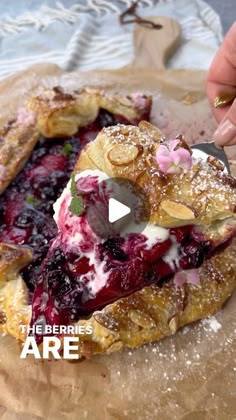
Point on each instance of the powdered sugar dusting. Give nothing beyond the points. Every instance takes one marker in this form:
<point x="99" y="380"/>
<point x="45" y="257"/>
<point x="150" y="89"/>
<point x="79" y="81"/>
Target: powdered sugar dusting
<point x="211" y="324"/>
<point x="174" y="369"/>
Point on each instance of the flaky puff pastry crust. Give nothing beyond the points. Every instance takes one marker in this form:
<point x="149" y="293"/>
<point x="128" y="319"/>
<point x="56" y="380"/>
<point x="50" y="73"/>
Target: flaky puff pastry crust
<point x="16" y="144"/>
<point x="146" y="316"/>
<point x="201" y="196"/>
<point x="14" y="300"/>
<point x="157" y="312"/>
<point x="55" y="113"/>
<point x="61" y="114"/>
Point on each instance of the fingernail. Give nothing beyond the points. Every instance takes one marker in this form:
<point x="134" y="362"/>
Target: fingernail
<point x="223" y="100"/>
<point x="225" y="134"/>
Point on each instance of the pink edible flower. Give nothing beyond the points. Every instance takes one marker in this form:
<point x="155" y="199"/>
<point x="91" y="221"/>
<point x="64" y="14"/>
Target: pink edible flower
<point x="25" y="116"/>
<point x="189" y="276"/>
<point x="173" y="161"/>
<point x="2" y="172"/>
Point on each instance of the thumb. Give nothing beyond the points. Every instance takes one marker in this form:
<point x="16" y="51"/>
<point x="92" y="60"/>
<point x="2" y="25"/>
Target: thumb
<point x="225" y="135"/>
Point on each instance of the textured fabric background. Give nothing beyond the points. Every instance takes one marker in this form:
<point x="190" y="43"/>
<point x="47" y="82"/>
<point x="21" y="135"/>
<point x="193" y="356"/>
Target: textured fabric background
<point x="227" y="11"/>
<point x="225" y="8"/>
<point x="86" y="34"/>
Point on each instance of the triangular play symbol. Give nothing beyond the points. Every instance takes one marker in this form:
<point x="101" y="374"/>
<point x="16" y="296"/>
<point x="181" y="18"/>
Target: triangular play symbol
<point x="117" y="210"/>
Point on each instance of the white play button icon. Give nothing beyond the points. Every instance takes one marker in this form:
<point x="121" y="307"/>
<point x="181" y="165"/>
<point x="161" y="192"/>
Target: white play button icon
<point x="117" y="206"/>
<point x="117" y="210"/>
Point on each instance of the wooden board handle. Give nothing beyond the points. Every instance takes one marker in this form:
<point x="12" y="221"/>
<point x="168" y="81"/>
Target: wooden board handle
<point x="153" y="47"/>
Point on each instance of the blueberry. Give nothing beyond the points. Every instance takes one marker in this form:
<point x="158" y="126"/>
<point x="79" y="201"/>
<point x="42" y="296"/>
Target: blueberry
<point x="25" y="219"/>
<point x="38" y="241"/>
<point x="195" y="253"/>
<point x="47" y="192"/>
<point x="46" y="207"/>
<point x="56" y="260"/>
<point x="105" y="118"/>
<point x="37" y="154"/>
<point x="39" y="182"/>
<point x="113" y="247"/>
<point x="54" y="279"/>
<point x="59" y="256"/>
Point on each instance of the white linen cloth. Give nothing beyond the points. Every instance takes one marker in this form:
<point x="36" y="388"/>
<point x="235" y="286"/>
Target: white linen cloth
<point x="87" y="34"/>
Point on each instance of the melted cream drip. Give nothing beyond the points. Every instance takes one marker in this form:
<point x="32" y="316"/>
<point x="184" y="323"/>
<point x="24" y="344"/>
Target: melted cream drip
<point x="155" y="234"/>
<point x="173" y="255"/>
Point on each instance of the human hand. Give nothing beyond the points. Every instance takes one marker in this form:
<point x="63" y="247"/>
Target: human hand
<point x="221" y="82"/>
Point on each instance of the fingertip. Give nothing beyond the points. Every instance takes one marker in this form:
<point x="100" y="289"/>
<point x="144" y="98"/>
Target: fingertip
<point x="225" y="134"/>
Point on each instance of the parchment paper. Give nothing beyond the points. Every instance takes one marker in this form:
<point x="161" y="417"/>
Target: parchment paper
<point x="190" y="376"/>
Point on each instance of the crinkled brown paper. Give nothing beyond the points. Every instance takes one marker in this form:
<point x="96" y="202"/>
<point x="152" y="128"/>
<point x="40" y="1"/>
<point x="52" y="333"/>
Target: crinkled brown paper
<point x="188" y="376"/>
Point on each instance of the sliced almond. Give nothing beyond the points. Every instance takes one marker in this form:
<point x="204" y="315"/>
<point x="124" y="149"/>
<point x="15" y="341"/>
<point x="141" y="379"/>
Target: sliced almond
<point x="115" y="347"/>
<point x="177" y="210"/>
<point x="141" y="319"/>
<point x="122" y="154"/>
<point x="106" y="321"/>
<point x="150" y="129"/>
<point x="215" y="162"/>
<point x="173" y="324"/>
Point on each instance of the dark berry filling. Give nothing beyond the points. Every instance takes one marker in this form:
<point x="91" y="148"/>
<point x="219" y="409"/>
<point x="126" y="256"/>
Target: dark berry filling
<point x="26" y="207"/>
<point x="67" y="278"/>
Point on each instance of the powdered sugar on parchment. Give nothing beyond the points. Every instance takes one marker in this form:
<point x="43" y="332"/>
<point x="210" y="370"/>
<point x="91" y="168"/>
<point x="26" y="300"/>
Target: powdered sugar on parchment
<point x="177" y="368"/>
<point x="211" y="324"/>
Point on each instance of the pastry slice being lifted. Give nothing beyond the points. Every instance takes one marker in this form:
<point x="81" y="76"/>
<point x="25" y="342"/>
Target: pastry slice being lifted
<point x="192" y="216"/>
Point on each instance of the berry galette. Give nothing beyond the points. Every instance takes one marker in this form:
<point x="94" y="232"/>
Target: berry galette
<point x="131" y="287"/>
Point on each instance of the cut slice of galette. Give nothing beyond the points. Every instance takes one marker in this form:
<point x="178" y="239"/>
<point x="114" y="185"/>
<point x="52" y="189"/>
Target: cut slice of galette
<point x="56" y="113"/>
<point x="38" y="150"/>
